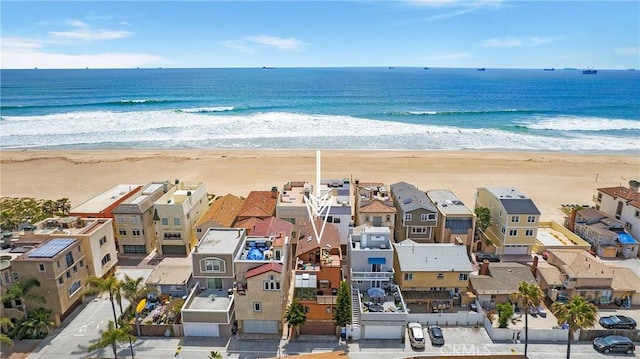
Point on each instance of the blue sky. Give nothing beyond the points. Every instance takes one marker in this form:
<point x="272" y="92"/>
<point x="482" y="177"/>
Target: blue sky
<point x="434" y="33"/>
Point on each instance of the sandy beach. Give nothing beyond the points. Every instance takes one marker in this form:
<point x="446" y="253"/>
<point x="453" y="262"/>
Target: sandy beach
<point x="550" y="179"/>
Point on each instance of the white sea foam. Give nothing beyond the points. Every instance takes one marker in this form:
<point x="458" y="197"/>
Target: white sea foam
<point x="576" y="123"/>
<point x="172" y="129"/>
<point x="208" y="109"/>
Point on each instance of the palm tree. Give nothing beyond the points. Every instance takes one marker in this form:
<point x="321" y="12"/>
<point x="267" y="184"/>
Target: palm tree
<point x="215" y="355"/>
<point x="36" y="326"/>
<point x="578" y="314"/>
<point x="112" y="336"/>
<point x="5" y="324"/>
<point x="528" y="295"/>
<point x="102" y="285"/>
<point x="134" y="290"/>
<point x="21" y="290"/>
<point x="295" y="315"/>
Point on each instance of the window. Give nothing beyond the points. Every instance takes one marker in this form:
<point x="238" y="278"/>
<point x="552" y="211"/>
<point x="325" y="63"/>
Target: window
<point x="528" y="233"/>
<point x="212" y="265"/>
<point x="58" y="263"/>
<point x="61" y="280"/>
<point x="68" y="274"/>
<point x="136" y="232"/>
<point x="165" y="221"/>
<point x="418" y="230"/>
<point x="75" y="269"/>
<point x="199" y="230"/>
<point x="41" y="267"/>
<point x="424" y="217"/>
<point x="388" y="217"/>
<point x="440" y="276"/>
<point x="74" y="288"/>
<point x="176" y="222"/>
<point x="407" y="216"/>
<point x="135" y="219"/>
<point x="463" y="277"/>
<point x="502" y="230"/>
<point x="515" y="219"/>
<point x="271" y="283"/>
<point x="637" y="214"/>
<point x="336" y="220"/>
<point x="531" y="219"/>
<point x="408" y="276"/>
<point x="119" y="219"/>
<point x="513" y="232"/>
<point x="432" y="216"/>
<point x="103" y="240"/>
<point x="175" y="288"/>
<point x="16" y="277"/>
<point x="327" y="310"/>
<point x="278" y="254"/>
<point x="325" y="284"/>
<point x="81" y="263"/>
<point x="69" y="259"/>
<point x="122" y="232"/>
<point x="106" y="259"/>
<point x="257" y="306"/>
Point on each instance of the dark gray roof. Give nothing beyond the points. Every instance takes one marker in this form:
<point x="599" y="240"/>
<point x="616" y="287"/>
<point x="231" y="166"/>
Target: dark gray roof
<point x="519" y="206"/>
<point x="409" y="198"/>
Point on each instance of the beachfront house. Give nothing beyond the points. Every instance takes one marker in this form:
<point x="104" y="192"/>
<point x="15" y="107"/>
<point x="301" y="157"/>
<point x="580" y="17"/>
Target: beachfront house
<point x="374" y="206"/>
<point x="60" y="265"/>
<point x="209" y="310"/>
<point x="456" y="222"/>
<point x="378" y="310"/>
<point x="262" y="284"/>
<point x="622" y="203"/>
<point x="133" y="219"/>
<point x="317" y="276"/>
<point x="431" y="276"/>
<point x="102" y="205"/>
<point x="515" y="218"/>
<point x="175" y="214"/>
<point x="417" y="216"/>
<point x="606" y="235"/>
<point x="221" y="214"/>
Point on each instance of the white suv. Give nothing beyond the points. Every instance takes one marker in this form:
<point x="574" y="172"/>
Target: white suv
<point x="416" y="335"/>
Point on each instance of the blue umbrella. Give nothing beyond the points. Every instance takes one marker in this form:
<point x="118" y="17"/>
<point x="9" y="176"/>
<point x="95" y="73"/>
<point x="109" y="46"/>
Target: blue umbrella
<point x="375" y="292"/>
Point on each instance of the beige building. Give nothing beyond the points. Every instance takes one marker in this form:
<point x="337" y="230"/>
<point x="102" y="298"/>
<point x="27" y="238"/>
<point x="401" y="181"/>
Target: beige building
<point x="456" y="222"/>
<point x="60" y="265"/>
<point x="95" y="235"/>
<point x="133" y="219"/>
<point x="622" y="203"/>
<point x="514" y="217"/>
<point x="374" y="206"/>
<point x="175" y="213"/>
<point x="262" y="281"/>
<point x="431" y="274"/>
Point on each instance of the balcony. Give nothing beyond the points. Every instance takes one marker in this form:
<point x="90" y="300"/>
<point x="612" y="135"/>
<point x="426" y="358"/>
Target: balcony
<point x="371" y="276"/>
<point x="172" y="236"/>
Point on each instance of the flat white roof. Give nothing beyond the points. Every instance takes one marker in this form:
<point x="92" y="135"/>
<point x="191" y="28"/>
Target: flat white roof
<point x="103" y="200"/>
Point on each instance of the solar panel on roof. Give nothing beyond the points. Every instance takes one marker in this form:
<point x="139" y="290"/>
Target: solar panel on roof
<point x="51" y="248"/>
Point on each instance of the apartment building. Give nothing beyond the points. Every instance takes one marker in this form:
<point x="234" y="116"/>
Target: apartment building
<point x="374" y="206"/>
<point x="175" y="214"/>
<point x="102" y="205"/>
<point x="456" y="222"/>
<point x="622" y="203"/>
<point x="417" y="216"/>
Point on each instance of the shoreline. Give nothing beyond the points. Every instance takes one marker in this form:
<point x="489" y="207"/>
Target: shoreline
<point x="550" y="179"/>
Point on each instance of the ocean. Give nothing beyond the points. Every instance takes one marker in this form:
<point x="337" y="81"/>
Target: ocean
<point x="322" y="108"/>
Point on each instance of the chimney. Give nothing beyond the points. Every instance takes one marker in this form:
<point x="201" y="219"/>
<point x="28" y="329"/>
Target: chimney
<point x="534" y="267"/>
<point x="274" y="192"/>
<point x="484" y="269"/>
<point x="634" y="186"/>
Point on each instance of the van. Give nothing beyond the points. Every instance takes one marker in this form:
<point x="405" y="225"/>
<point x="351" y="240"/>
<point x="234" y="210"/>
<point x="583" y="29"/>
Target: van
<point x="416" y="335"/>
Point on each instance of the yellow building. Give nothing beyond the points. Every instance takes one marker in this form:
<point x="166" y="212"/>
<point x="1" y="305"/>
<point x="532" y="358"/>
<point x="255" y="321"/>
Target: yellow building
<point x="515" y="218"/>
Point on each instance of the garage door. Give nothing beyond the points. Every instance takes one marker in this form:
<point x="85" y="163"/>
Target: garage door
<point x="383" y="332"/>
<point x="519" y="249"/>
<point x="260" y="326"/>
<point x="180" y="250"/>
<point x="201" y="330"/>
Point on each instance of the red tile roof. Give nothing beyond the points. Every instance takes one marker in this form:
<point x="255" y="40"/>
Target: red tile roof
<point x="223" y="210"/>
<point x="258" y="204"/>
<point x="272" y="226"/>
<point x="377" y="207"/>
<point x="276" y="267"/>
<point x="622" y="192"/>
<point x="330" y="237"/>
<point x="248" y="224"/>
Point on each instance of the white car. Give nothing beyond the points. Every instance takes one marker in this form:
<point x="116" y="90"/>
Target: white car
<point x="416" y="335"/>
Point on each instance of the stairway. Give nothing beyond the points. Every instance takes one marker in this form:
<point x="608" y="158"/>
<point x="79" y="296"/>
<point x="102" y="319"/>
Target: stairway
<point x="355" y="307"/>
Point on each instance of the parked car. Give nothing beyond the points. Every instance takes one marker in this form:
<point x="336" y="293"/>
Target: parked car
<point x="614" y="343"/>
<point x="480" y="257"/>
<point x="618" y="322"/>
<point x="416" y="335"/>
<point x="435" y="334"/>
